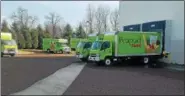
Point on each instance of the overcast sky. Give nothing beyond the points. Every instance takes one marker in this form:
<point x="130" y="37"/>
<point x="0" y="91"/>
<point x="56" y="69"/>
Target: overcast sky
<point x="72" y="11"/>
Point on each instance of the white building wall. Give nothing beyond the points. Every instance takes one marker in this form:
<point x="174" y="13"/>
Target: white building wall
<point x="134" y="12"/>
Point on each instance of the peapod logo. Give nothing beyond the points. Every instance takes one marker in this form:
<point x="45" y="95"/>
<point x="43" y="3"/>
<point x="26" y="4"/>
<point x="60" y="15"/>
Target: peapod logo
<point x="131" y="42"/>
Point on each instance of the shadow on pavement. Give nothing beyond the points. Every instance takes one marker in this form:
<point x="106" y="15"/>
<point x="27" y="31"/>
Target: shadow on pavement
<point x="140" y="68"/>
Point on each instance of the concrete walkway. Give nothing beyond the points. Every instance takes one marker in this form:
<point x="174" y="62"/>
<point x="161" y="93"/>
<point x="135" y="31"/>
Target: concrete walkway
<point x="55" y="84"/>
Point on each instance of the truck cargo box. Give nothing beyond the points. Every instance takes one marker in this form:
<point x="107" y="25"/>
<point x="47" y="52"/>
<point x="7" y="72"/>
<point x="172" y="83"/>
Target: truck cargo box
<point x="6" y="36"/>
<point x="92" y="37"/>
<point x="138" y="43"/>
<point x="163" y="26"/>
<point x="74" y="42"/>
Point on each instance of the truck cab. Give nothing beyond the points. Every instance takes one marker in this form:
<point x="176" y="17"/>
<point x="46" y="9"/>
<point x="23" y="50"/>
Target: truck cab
<point x="8" y="45"/>
<point x="64" y="47"/>
<point x="102" y="48"/>
<point x="82" y="50"/>
<point x="55" y="45"/>
<point x="84" y="46"/>
<point x="74" y="42"/>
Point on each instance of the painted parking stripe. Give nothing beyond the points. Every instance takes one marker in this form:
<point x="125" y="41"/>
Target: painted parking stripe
<point x="55" y="84"/>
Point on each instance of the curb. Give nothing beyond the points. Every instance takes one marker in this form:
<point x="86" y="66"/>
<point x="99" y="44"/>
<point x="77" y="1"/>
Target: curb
<point x="176" y="67"/>
<point x="43" y="55"/>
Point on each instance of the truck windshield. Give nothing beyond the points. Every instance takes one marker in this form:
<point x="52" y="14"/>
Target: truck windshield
<point x="96" y="45"/>
<point x="80" y="44"/>
<point x="8" y="42"/>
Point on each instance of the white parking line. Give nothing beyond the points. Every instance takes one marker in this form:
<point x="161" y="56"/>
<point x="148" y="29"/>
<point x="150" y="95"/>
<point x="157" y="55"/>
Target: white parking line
<point x="55" y="84"/>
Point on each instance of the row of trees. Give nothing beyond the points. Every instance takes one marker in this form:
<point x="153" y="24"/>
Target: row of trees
<point x="102" y="19"/>
<point x="29" y="33"/>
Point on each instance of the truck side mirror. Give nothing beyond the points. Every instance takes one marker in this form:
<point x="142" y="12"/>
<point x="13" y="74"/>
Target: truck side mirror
<point x="101" y="48"/>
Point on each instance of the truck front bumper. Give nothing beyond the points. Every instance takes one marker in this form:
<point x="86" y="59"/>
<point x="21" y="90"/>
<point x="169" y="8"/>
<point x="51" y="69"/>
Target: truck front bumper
<point x="9" y="52"/>
<point x="79" y="56"/>
<point x="67" y="51"/>
<point x="94" y="58"/>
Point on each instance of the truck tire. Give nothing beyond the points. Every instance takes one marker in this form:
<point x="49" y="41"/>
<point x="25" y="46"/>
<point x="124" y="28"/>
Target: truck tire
<point x="99" y="63"/>
<point x="1" y="54"/>
<point x="55" y="52"/>
<point x="108" y="62"/>
<point x="48" y="51"/>
<point x="12" y="55"/>
<point x="61" y="52"/>
<point x="146" y="60"/>
<point x="150" y="62"/>
<point x="83" y="59"/>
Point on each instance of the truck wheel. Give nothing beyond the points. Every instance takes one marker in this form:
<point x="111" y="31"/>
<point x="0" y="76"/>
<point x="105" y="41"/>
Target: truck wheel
<point x="61" y="52"/>
<point x="12" y="55"/>
<point x="108" y="62"/>
<point x="99" y="63"/>
<point x="48" y="50"/>
<point x="146" y="60"/>
<point x="83" y="59"/>
<point x="55" y="52"/>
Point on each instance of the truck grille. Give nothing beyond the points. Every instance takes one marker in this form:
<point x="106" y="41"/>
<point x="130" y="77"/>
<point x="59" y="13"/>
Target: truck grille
<point x="93" y="55"/>
<point x="12" y="49"/>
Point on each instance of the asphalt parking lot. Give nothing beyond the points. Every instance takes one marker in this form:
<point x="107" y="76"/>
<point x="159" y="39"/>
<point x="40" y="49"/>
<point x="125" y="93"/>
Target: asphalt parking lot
<point x="19" y="73"/>
<point x="127" y="80"/>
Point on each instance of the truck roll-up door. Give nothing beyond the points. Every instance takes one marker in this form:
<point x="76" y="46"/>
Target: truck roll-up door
<point x="136" y="27"/>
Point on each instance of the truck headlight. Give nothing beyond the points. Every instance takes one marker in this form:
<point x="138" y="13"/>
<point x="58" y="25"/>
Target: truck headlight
<point x="97" y="55"/>
<point x="5" y="50"/>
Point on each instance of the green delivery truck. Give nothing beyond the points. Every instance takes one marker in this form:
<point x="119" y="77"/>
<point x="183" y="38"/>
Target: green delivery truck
<point x="55" y="45"/>
<point x="84" y="46"/>
<point x="146" y="47"/>
<point x="8" y="45"/>
<point x="74" y="42"/>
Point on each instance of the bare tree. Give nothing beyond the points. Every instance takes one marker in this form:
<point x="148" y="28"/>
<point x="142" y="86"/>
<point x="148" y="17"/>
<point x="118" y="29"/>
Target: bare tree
<point x="34" y="19"/>
<point x="105" y="15"/>
<point x="101" y="15"/>
<point x="62" y="29"/>
<point x="53" y="19"/>
<point x="90" y="17"/>
<point x="23" y="19"/>
<point x="98" y="17"/>
<point x="114" y="19"/>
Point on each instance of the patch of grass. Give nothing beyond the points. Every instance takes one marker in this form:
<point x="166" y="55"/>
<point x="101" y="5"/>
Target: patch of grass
<point x="22" y="51"/>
